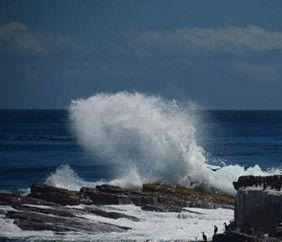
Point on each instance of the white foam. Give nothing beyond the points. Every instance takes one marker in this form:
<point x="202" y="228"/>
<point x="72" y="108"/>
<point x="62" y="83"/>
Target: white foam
<point x="151" y="139"/>
<point x="166" y="226"/>
<point x="65" y="177"/>
<point x="152" y="225"/>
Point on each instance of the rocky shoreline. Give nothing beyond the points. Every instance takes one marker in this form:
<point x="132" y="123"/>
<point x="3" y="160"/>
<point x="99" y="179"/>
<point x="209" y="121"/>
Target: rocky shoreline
<point x="59" y="210"/>
<point x="54" y="209"/>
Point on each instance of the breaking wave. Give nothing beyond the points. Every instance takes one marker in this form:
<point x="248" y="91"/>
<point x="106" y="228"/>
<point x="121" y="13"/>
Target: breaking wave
<point x="150" y="138"/>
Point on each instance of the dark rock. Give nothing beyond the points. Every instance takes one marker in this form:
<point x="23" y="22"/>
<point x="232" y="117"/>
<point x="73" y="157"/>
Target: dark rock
<point x="152" y="197"/>
<point x="112" y="189"/>
<point x="38" y="221"/>
<point x="185" y="197"/>
<point x="234" y="237"/>
<point x="58" y="195"/>
<point x="273" y="182"/>
<point x="99" y="197"/>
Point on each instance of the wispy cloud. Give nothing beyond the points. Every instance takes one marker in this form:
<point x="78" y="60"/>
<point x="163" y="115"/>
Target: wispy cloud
<point x="16" y="38"/>
<point x="231" y="40"/>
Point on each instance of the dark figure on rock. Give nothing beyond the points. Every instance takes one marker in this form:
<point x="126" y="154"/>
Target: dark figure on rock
<point x="215" y="229"/>
<point x="205" y="239"/>
<point x="226" y="228"/>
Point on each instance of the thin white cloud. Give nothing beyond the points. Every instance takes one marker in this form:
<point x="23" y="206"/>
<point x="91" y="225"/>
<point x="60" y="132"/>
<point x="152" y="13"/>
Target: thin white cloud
<point x="16" y="38"/>
<point x="233" y="40"/>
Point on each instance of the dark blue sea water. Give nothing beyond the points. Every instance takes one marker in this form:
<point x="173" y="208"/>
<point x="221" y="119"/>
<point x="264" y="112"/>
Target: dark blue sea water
<point x="34" y="143"/>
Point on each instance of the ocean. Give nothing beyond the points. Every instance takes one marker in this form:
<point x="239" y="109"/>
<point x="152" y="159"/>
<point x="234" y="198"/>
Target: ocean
<point x="34" y="143"/>
<point x="127" y="139"/>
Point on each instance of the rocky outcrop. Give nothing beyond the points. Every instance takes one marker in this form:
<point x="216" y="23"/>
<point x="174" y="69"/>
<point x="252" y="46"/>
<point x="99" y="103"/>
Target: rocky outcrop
<point x="258" y="204"/>
<point x="153" y="197"/>
<point x="45" y="207"/>
<point x="184" y="197"/>
<point x="156" y="197"/>
<point x="258" y="210"/>
<point x="58" y="195"/>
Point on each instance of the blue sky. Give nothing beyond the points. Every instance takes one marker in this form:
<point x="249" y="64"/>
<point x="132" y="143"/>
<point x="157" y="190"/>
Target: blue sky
<point x="220" y="54"/>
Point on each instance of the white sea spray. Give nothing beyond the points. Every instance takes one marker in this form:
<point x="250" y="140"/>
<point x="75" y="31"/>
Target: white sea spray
<point x="151" y="139"/>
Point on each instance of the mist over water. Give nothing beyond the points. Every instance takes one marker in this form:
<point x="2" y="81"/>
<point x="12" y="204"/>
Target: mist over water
<point x="151" y="139"/>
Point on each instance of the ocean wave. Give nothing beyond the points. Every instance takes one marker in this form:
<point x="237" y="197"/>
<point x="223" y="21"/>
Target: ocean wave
<point x="65" y="177"/>
<point x="150" y="139"/>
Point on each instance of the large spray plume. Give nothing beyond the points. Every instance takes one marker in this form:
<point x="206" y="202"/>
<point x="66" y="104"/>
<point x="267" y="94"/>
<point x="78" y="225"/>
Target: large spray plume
<point x="152" y="139"/>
